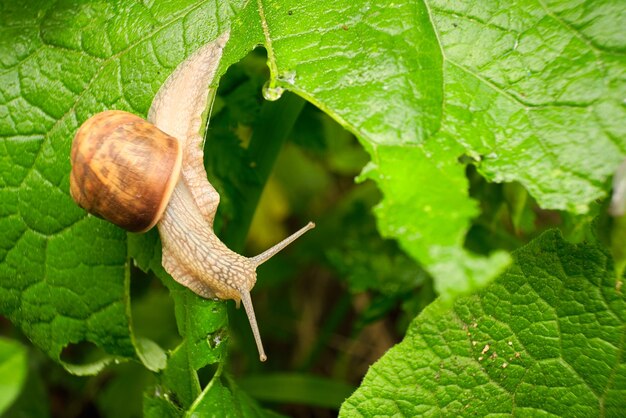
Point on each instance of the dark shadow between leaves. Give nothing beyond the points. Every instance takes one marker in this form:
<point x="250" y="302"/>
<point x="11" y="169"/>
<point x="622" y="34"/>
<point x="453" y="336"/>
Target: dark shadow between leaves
<point x="152" y="308"/>
<point x="509" y="216"/>
<point x="206" y="373"/>
<point x="84" y="358"/>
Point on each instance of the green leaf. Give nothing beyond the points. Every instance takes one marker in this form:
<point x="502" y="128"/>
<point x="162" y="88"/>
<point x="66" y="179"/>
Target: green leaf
<point x="220" y="400"/>
<point x="63" y="274"/>
<point x="546" y="338"/>
<point x="13" y="371"/>
<point x="533" y="95"/>
<point x="159" y="407"/>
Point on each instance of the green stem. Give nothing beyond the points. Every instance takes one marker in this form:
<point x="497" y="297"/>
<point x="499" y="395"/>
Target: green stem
<point x="274" y="123"/>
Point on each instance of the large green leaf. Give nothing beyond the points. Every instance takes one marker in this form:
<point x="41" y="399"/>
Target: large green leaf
<point x="546" y="338"/>
<point x="530" y="91"/>
<point x="64" y="275"/>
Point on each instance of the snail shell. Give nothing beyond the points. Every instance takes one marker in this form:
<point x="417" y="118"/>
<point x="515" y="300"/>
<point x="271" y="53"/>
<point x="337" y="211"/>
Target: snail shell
<point x="124" y="169"/>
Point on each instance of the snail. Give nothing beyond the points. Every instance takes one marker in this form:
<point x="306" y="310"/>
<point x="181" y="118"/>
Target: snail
<point x="140" y="173"/>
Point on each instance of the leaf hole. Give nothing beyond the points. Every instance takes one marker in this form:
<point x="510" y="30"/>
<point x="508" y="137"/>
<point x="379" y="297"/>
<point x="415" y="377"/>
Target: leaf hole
<point x="83" y="352"/>
<point x="206" y="373"/>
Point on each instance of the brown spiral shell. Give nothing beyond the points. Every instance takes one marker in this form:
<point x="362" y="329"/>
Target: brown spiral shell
<point x="124" y="169"/>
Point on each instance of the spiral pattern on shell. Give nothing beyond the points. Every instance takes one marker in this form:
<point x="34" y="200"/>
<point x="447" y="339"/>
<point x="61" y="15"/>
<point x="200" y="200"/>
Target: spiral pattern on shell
<point x="124" y="169"/>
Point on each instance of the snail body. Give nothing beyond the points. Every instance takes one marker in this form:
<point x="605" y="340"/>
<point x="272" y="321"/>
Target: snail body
<point x="136" y="173"/>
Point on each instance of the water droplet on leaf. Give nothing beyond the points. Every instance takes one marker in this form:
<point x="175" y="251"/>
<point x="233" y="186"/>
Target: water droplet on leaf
<point x="272" y="93"/>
